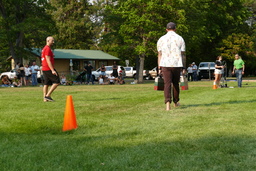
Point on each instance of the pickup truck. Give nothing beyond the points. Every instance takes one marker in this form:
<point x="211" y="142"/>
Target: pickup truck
<point x="131" y="72"/>
<point x="152" y="74"/>
<point x="206" y="69"/>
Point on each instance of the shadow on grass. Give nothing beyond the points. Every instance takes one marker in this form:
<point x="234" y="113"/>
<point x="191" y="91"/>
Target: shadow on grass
<point x="217" y="153"/>
<point x="219" y="103"/>
<point x="103" y="99"/>
<point x="128" y="151"/>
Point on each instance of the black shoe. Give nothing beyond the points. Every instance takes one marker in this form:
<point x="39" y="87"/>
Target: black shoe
<point x="48" y="99"/>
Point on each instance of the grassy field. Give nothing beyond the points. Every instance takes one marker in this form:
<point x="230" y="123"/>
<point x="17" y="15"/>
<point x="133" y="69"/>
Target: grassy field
<point x="126" y="127"/>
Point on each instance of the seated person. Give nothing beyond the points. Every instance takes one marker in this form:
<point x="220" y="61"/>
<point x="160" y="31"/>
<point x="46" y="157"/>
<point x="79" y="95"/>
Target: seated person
<point x="16" y="82"/>
<point x="63" y="79"/>
<point x="101" y="80"/>
<point x="5" y="81"/>
<point x="111" y="79"/>
<point x="120" y="79"/>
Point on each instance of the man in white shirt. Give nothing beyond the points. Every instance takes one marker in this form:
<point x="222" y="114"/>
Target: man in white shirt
<point x="171" y="61"/>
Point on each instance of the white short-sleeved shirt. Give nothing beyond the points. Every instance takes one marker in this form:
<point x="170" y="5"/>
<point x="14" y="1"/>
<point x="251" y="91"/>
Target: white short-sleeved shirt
<point x="171" y="45"/>
<point x="111" y="79"/>
<point x="190" y="70"/>
<point x="27" y="71"/>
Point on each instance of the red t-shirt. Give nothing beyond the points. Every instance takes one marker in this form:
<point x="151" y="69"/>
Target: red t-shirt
<point x="47" y="52"/>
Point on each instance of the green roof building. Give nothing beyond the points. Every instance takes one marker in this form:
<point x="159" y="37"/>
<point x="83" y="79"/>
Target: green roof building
<point x="74" y="60"/>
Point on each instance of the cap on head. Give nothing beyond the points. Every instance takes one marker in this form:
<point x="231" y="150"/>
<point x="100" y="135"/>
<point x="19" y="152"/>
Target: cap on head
<point x="193" y="63"/>
<point x="171" y="26"/>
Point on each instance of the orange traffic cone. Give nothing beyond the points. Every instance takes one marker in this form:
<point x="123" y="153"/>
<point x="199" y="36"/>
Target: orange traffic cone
<point x="70" y="116"/>
<point x="214" y="86"/>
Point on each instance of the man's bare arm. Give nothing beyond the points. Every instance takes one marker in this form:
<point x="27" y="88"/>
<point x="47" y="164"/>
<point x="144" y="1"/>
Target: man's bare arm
<point x="48" y="60"/>
<point x="159" y="60"/>
<point x="183" y="54"/>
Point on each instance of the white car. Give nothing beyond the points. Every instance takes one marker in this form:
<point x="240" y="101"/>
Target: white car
<point x="131" y="72"/>
<point x="109" y="70"/>
<point x="11" y="74"/>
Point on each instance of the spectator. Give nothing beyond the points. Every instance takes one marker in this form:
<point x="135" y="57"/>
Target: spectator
<point x="41" y="74"/>
<point x="238" y="69"/>
<point x="63" y="79"/>
<point x="27" y="74"/>
<point x="190" y="72"/>
<point x="22" y="75"/>
<point x="194" y="68"/>
<point x="218" y="71"/>
<point x="101" y="80"/>
<point x="120" y="79"/>
<point x="111" y="79"/>
<point x="17" y="69"/>
<point x="115" y="67"/>
<point x="89" y="69"/>
<point x="16" y="82"/>
<point x="103" y="70"/>
<point x="5" y="81"/>
<point x="34" y="69"/>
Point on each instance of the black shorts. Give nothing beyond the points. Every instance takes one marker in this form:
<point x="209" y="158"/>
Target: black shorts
<point x="50" y="79"/>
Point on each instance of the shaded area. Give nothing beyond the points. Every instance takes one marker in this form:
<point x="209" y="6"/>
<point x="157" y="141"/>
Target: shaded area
<point x="124" y="152"/>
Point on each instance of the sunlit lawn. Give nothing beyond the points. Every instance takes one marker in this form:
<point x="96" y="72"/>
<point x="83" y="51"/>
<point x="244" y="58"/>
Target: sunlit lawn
<point x="125" y="127"/>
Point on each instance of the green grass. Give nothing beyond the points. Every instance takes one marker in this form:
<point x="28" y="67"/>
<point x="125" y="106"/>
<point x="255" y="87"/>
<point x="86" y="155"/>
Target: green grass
<point x="126" y="127"/>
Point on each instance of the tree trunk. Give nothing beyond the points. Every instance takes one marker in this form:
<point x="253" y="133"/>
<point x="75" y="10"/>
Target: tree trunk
<point x="137" y="67"/>
<point x="140" y="73"/>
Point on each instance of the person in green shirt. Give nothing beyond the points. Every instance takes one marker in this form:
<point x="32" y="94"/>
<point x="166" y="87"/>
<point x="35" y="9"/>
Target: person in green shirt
<point x="238" y="69"/>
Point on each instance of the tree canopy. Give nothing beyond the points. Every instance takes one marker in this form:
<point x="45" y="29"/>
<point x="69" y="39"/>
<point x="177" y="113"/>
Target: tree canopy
<point x="73" y="23"/>
<point x="24" y="24"/>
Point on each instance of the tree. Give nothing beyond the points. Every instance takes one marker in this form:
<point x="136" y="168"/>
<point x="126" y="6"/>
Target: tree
<point x="241" y="44"/>
<point x="210" y="21"/>
<point x="142" y="22"/>
<point x="135" y="26"/>
<point x="73" y="22"/>
<point x="24" y="24"/>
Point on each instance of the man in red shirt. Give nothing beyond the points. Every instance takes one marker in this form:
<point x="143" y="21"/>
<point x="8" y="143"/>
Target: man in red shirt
<point x="51" y="76"/>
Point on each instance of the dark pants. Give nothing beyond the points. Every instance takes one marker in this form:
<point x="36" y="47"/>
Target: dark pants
<point x="190" y="76"/>
<point x="194" y="76"/>
<point x="239" y="76"/>
<point x="115" y="74"/>
<point x="171" y="77"/>
<point x="34" y="79"/>
<point x="90" y="78"/>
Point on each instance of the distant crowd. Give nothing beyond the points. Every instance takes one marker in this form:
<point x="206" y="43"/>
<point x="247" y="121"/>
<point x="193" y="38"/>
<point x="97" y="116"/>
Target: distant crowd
<point x="192" y="72"/>
<point x="24" y="75"/>
<point x="113" y="78"/>
<point x="28" y="75"/>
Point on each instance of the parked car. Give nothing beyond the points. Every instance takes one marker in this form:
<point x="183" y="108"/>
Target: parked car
<point x="11" y="74"/>
<point x="152" y="74"/>
<point x="131" y="72"/>
<point x="206" y="69"/>
<point x="109" y="70"/>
